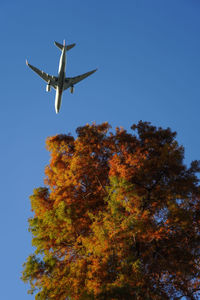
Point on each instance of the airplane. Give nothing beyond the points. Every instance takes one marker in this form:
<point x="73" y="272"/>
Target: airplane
<point x="60" y="83"/>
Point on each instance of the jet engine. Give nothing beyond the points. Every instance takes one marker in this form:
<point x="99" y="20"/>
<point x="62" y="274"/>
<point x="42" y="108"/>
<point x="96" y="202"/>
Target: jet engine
<point x="72" y="89"/>
<point x="48" y="87"/>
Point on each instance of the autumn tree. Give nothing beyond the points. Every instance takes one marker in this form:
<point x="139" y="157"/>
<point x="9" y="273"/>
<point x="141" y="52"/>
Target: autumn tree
<point x="118" y="218"/>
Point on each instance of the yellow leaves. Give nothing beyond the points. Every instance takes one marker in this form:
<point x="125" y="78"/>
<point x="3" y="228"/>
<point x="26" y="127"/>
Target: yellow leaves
<point x="92" y="286"/>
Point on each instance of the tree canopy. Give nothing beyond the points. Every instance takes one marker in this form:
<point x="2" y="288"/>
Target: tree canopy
<point x="118" y="218"/>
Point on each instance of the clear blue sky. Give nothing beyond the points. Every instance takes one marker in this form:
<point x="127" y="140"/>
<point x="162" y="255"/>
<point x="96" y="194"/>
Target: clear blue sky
<point x="148" y="59"/>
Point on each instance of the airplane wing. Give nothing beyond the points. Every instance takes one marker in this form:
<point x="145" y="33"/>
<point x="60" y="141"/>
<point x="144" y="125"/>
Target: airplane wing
<point x="70" y="81"/>
<point x="46" y="77"/>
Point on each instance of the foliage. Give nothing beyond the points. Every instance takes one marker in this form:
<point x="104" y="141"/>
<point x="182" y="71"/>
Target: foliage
<point x="119" y="218"/>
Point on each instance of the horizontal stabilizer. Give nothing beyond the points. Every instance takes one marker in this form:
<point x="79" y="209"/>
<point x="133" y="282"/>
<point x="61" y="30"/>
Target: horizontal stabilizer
<point x="70" y="46"/>
<point x="60" y="46"/>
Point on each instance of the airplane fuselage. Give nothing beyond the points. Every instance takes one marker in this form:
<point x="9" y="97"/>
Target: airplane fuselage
<point x="61" y="80"/>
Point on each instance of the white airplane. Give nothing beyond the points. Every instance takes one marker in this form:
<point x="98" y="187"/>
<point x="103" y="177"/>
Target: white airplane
<point x="60" y="83"/>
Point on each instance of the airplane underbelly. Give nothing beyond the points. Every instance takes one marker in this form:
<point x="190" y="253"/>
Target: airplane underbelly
<point x="58" y="99"/>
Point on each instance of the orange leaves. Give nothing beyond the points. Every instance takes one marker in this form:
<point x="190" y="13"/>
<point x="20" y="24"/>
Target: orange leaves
<point x="119" y="218"/>
<point x="126" y="162"/>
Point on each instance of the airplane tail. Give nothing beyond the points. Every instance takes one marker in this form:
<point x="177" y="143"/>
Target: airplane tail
<point x="60" y="46"/>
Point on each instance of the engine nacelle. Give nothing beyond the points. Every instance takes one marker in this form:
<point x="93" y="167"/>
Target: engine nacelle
<point x="72" y="89"/>
<point x="48" y="87"/>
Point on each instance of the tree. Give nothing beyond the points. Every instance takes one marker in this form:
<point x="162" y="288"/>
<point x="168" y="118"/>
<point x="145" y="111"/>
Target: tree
<point x="118" y="218"/>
